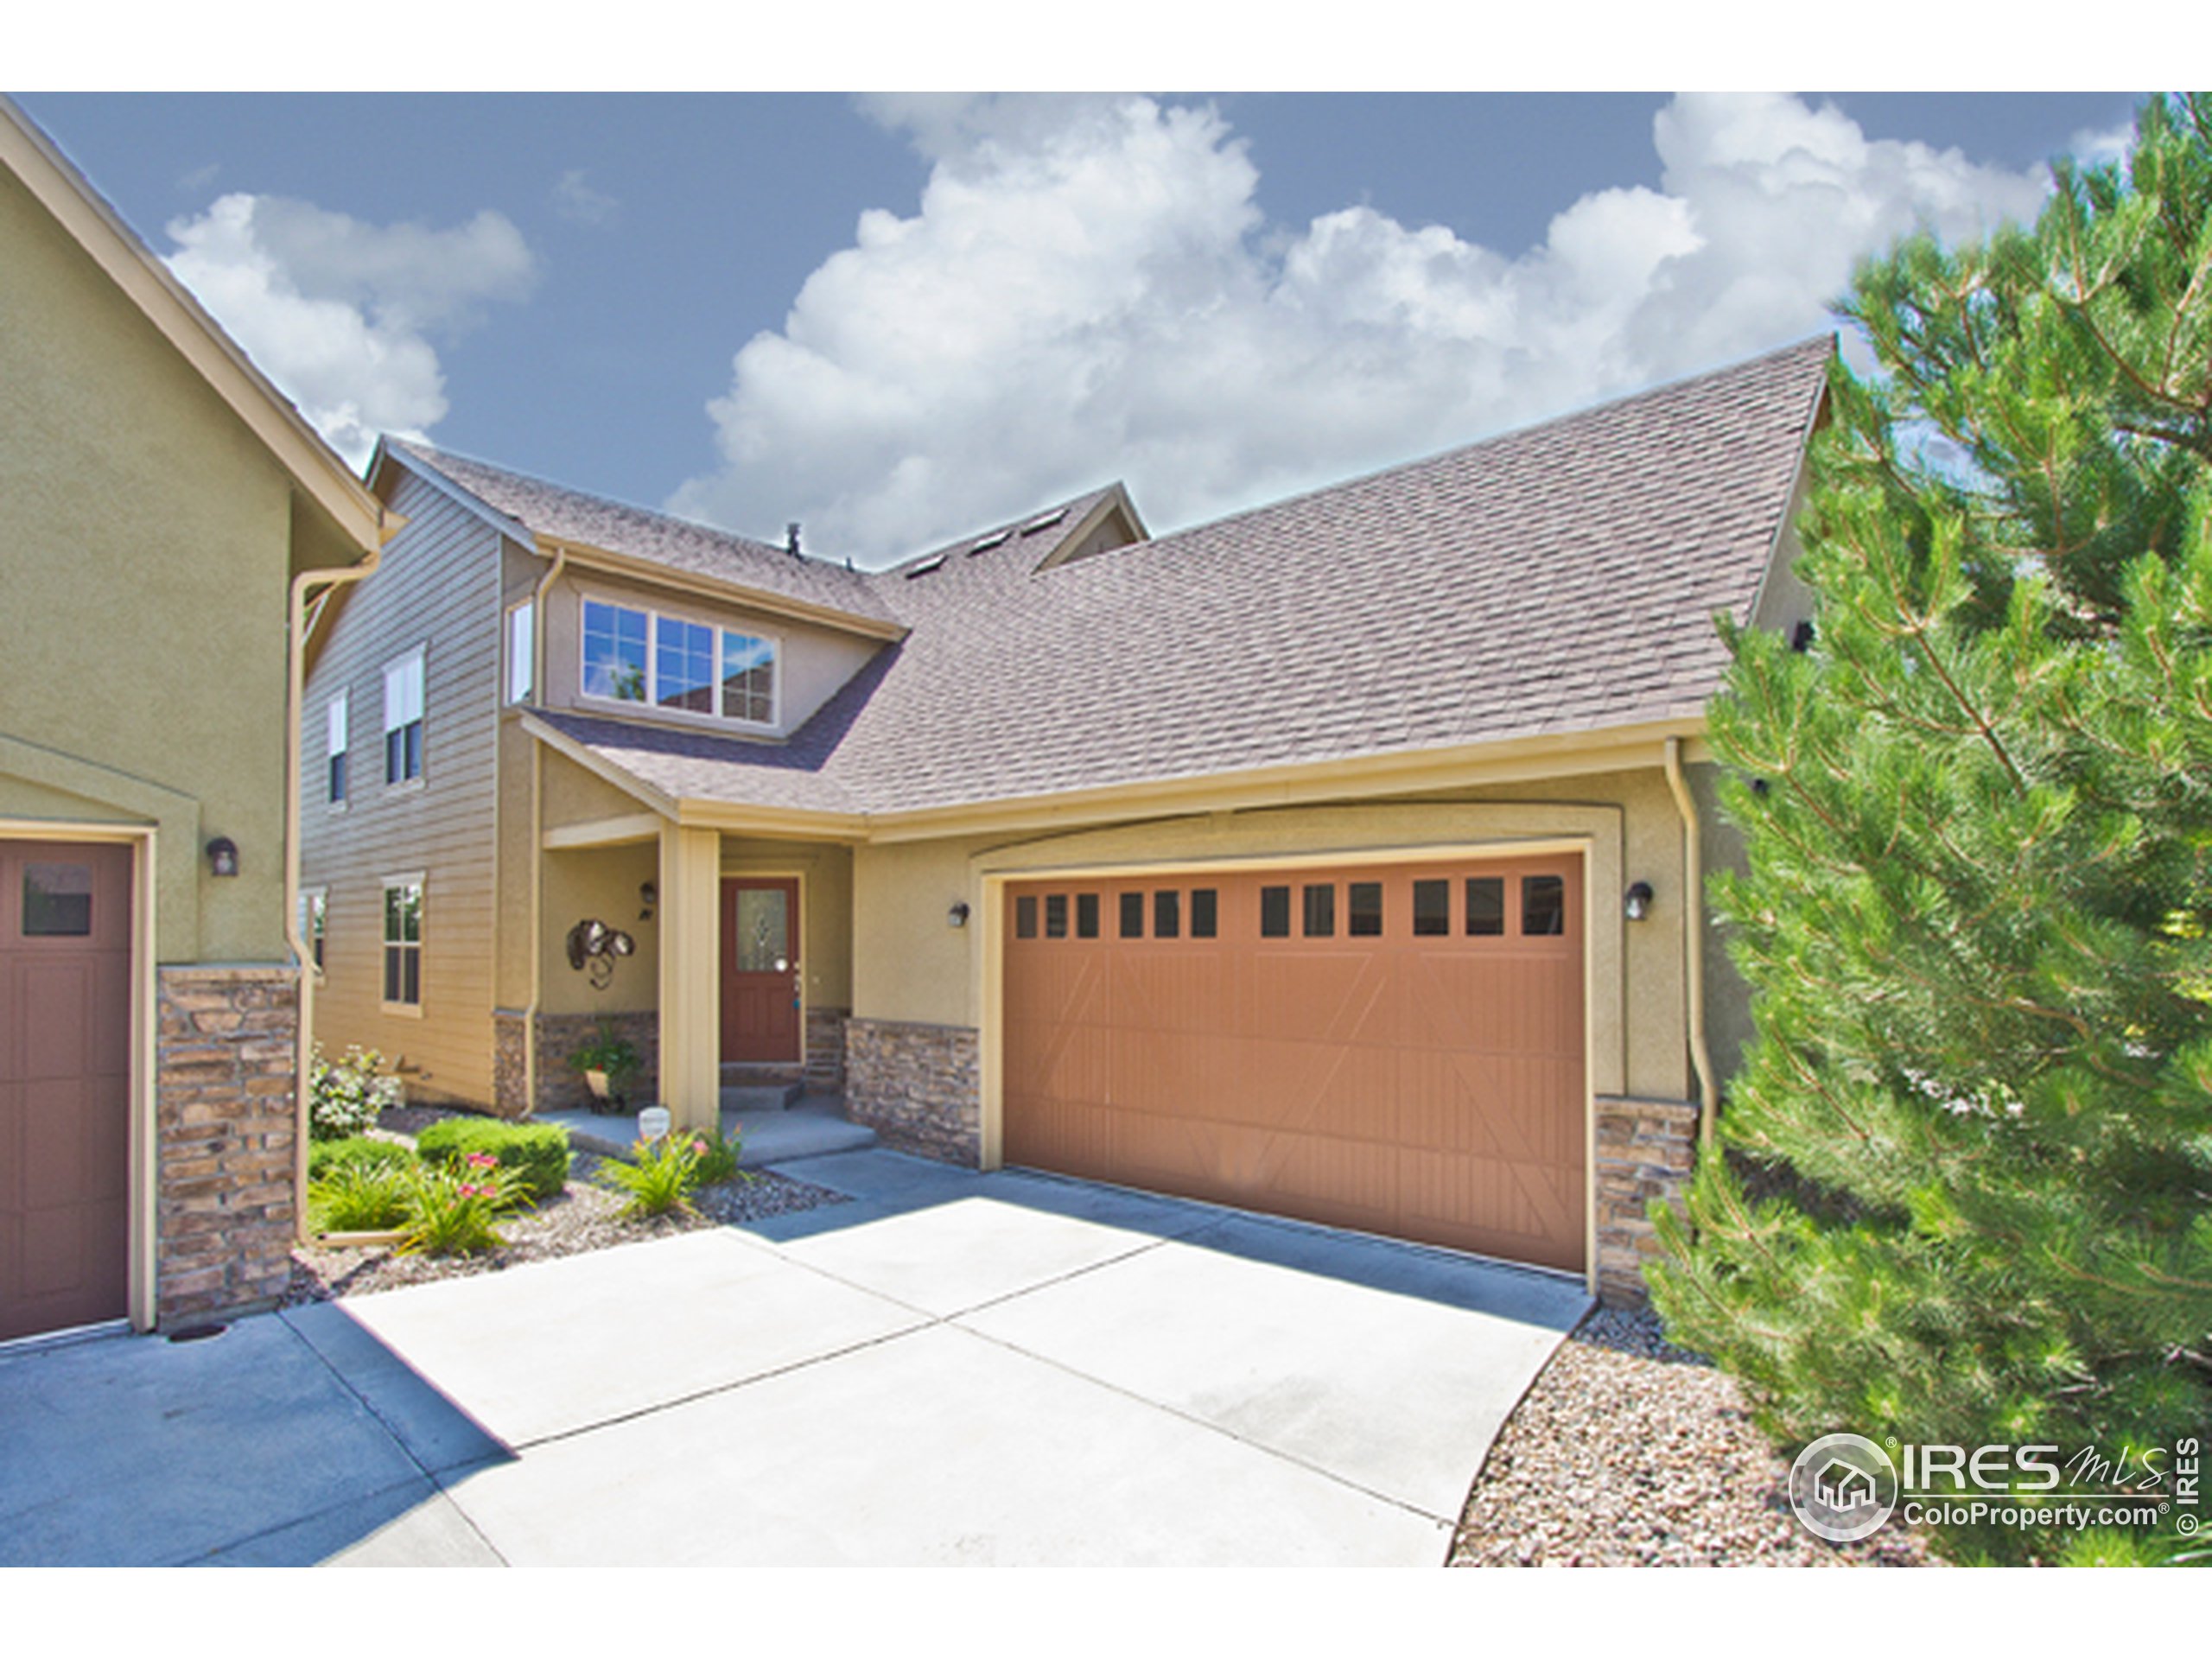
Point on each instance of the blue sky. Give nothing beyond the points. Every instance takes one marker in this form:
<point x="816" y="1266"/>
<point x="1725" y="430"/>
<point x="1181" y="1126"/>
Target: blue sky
<point x="899" y="319"/>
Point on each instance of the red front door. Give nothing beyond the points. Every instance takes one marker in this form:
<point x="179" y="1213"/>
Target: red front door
<point x="759" y="969"/>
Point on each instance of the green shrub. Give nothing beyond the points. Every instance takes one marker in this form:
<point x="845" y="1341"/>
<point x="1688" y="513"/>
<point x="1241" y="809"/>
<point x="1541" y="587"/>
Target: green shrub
<point x="609" y="1051"/>
<point x="363" y="1197"/>
<point x="451" y="1207"/>
<point x="660" y="1178"/>
<point x="536" y="1155"/>
<point x="326" y="1157"/>
<point x="346" y="1098"/>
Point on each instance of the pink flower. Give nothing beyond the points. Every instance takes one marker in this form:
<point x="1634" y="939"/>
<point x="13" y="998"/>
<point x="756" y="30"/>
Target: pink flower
<point x="699" y="1147"/>
<point x="482" y="1160"/>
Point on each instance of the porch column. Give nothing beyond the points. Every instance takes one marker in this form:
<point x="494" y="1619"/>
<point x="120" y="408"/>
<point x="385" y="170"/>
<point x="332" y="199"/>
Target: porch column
<point x="690" y="976"/>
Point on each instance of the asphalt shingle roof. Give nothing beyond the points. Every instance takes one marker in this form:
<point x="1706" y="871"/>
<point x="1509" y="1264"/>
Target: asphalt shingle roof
<point x="1560" y="578"/>
<point x="570" y="515"/>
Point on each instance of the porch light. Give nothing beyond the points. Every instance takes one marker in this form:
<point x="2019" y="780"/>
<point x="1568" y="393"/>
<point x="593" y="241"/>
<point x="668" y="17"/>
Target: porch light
<point x="648" y="896"/>
<point x="957" y="916"/>
<point x="1637" y="904"/>
<point x="222" y="856"/>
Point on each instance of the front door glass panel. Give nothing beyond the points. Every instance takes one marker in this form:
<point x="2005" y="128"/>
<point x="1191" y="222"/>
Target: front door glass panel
<point x="763" y="930"/>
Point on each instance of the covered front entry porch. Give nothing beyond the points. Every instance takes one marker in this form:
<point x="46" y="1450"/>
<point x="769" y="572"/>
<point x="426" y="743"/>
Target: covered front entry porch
<point x="723" y="960"/>
<point x="753" y="969"/>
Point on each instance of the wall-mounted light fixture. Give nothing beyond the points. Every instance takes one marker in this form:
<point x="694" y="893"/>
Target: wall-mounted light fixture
<point x="957" y="916"/>
<point x="1636" y="904"/>
<point x="648" y="896"/>
<point x="222" y="856"/>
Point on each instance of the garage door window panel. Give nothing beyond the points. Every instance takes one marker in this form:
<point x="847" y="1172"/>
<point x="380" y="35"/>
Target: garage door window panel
<point x="57" y="901"/>
<point x="1543" y="906"/>
<point x="1320" y="911"/>
<point x="1132" y="915"/>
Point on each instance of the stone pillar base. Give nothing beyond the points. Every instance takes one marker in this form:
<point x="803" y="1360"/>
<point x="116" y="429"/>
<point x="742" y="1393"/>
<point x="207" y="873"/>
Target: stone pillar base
<point x="224" y="1102"/>
<point x="1645" y="1150"/>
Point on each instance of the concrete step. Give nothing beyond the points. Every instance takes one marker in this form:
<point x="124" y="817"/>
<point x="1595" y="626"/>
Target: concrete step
<point x="810" y="1129"/>
<point x="748" y="1073"/>
<point x="761" y="1096"/>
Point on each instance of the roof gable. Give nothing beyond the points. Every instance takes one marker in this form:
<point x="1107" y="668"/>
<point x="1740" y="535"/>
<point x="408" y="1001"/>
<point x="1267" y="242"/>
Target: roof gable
<point x="315" y="469"/>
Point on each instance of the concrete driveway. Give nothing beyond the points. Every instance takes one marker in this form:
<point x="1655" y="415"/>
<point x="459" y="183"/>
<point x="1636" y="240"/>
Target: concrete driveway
<point x="1004" y="1368"/>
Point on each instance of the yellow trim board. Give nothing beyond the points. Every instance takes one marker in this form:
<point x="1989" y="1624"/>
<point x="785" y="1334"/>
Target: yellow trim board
<point x="586" y="556"/>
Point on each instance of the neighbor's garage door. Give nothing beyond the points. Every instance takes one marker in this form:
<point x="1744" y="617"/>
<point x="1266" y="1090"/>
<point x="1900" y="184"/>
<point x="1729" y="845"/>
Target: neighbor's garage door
<point x="65" y="1085"/>
<point x="1394" y="1049"/>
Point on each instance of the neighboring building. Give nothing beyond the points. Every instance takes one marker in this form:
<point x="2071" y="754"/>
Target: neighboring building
<point x="1326" y="859"/>
<point x="157" y="500"/>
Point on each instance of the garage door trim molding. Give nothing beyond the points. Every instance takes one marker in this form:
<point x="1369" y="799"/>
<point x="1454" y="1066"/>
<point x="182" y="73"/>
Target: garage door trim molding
<point x="993" y="911"/>
<point x="144" y="862"/>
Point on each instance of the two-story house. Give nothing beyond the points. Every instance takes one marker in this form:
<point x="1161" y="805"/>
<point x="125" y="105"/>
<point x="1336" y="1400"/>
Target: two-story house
<point x="1333" y="859"/>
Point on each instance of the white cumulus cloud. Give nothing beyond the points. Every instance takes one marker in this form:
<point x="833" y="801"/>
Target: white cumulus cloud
<point x="341" y="314"/>
<point x="1091" y="289"/>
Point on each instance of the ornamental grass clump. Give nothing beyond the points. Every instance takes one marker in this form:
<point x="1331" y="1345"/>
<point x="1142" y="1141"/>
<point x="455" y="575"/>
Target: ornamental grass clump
<point x="453" y="1207"/>
<point x="717" y="1155"/>
<point x="533" y="1156"/>
<point x="660" y="1177"/>
<point x="365" y="1196"/>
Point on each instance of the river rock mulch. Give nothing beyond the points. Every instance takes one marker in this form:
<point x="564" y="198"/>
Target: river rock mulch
<point x="1630" y="1452"/>
<point x="586" y="1216"/>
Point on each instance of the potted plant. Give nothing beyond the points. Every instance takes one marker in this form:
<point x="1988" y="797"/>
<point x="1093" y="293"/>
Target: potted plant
<point x="609" y="1063"/>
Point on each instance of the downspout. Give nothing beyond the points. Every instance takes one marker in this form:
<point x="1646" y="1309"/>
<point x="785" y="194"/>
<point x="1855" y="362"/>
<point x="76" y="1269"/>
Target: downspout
<point x="1709" y="1091"/>
<point x="295" y="711"/>
<point x="536" y="832"/>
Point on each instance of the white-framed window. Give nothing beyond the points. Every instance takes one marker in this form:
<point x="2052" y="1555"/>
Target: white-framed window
<point x="338" y="725"/>
<point x="403" y="719"/>
<point x="402" y="943"/>
<point x="315" y="915"/>
<point x="677" y="665"/>
<point x="522" y="651"/>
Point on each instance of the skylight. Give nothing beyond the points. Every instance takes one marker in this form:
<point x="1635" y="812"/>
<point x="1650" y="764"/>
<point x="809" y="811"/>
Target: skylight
<point x="935" y="561"/>
<point x="997" y="538"/>
<point x="1045" y="523"/>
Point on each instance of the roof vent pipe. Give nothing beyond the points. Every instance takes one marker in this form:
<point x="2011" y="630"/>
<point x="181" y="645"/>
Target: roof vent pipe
<point x="791" y="539"/>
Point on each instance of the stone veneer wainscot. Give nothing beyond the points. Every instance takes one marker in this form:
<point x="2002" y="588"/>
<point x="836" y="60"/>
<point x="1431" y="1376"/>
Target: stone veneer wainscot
<point x="225" y="1106"/>
<point x="1645" y="1149"/>
<point x="919" y="1087"/>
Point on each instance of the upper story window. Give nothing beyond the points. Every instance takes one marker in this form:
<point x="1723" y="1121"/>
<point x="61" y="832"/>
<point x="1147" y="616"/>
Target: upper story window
<point x="403" y="719"/>
<point x="522" y="651"/>
<point x="670" y="661"/>
<point x="340" y="724"/>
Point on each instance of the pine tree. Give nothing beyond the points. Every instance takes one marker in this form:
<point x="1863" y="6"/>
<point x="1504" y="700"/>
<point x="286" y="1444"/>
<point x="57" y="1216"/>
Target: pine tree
<point x="1967" y="1190"/>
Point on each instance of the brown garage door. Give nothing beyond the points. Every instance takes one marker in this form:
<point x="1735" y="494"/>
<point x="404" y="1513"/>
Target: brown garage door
<point x="65" y="1085"/>
<point x="1397" y="1049"/>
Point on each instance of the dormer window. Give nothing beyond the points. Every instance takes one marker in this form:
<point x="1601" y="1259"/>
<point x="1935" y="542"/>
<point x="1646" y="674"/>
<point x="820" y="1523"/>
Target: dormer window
<point x="677" y="665"/>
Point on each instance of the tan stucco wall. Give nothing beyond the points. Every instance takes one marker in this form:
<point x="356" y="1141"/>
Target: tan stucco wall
<point x="145" y="537"/>
<point x="816" y="661"/>
<point x="910" y="965"/>
<point x="601" y="883"/>
<point x="574" y="796"/>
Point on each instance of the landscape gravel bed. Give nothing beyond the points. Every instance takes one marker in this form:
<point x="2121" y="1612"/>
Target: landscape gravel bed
<point x="1630" y="1452"/>
<point x="586" y="1216"/>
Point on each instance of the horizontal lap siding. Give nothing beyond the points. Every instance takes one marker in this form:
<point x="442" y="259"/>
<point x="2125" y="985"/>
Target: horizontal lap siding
<point x="438" y="585"/>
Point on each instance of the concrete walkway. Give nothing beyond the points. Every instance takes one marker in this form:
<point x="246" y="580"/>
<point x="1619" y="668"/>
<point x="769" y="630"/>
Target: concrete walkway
<point x="951" y="1368"/>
